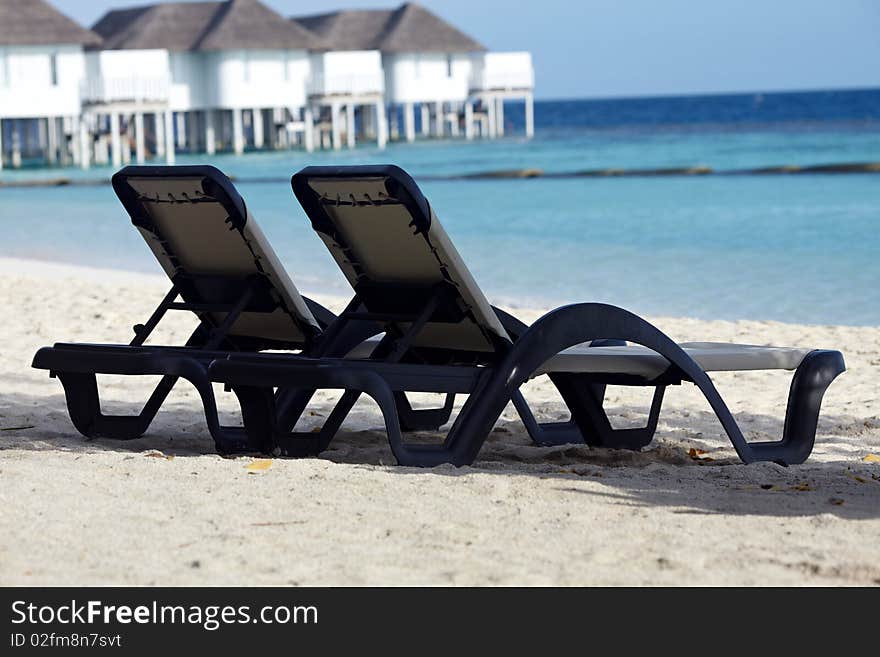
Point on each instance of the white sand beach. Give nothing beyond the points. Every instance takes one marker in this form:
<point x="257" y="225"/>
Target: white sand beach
<point x="165" y="509"/>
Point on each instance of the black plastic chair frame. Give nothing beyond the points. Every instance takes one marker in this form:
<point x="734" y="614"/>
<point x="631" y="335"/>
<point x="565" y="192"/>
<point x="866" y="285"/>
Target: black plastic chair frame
<point x="492" y="387"/>
<point x="499" y="374"/>
<point x="76" y="367"/>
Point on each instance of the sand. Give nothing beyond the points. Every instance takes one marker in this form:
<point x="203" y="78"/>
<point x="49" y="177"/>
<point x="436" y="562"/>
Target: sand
<point x="165" y="509"/>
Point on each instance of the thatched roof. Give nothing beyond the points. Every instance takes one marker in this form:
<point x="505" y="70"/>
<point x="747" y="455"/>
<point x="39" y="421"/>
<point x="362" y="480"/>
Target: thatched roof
<point x="36" y="22"/>
<point x="173" y="26"/>
<point x="182" y="26"/>
<point x="251" y="24"/>
<point x="357" y="29"/>
<point x="409" y="28"/>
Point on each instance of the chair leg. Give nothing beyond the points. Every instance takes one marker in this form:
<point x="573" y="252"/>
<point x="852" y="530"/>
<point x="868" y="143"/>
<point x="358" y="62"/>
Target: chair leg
<point x="291" y="404"/>
<point x="811" y="379"/>
<point x="589" y="422"/>
<point x="258" y="416"/>
<point x="84" y="406"/>
<point x="546" y="434"/>
<point x="427" y="419"/>
<point x="299" y="444"/>
<point x="230" y="439"/>
<point x="302" y="444"/>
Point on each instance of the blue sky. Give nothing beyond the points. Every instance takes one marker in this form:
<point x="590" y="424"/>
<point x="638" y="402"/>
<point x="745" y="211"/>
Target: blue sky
<point x="606" y="48"/>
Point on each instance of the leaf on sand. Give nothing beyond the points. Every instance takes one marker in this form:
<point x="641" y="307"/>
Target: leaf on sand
<point x="836" y="501"/>
<point x="802" y="487"/>
<point x="697" y="454"/>
<point x="859" y="479"/>
<point x="871" y="458"/>
<point x="258" y="465"/>
<point x="156" y="454"/>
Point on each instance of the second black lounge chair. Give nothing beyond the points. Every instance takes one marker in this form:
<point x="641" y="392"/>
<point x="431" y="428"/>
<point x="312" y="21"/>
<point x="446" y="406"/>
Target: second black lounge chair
<point x="441" y="335"/>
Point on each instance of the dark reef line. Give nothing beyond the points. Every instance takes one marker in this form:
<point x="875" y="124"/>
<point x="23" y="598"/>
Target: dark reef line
<point x="522" y="174"/>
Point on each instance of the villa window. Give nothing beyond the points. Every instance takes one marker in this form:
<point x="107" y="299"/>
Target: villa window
<point x="53" y="69"/>
<point x="247" y="65"/>
<point x="287" y="65"/>
<point x="4" y="69"/>
<point x="448" y="66"/>
<point x="417" y="64"/>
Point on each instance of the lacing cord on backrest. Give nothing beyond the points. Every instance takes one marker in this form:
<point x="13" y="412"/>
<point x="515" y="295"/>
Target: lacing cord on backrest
<point x="200" y="197"/>
<point x="351" y="200"/>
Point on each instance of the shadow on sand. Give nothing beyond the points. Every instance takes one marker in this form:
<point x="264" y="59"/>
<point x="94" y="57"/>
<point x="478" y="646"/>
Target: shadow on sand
<point x="667" y="474"/>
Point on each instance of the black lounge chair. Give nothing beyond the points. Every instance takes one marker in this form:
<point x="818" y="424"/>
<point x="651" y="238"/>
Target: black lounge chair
<point x="442" y="336"/>
<point x="222" y="269"/>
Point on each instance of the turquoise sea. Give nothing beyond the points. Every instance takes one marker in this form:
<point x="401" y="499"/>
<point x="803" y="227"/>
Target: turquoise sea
<point x="800" y="248"/>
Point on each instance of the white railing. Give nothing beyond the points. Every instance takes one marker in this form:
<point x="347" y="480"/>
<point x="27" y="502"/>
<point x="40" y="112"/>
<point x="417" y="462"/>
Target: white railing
<point x="136" y="89"/>
<point x="502" y="80"/>
<point x="36" y="100"/>
<point x="321" y="84"/>
<point x="427" y="89"/>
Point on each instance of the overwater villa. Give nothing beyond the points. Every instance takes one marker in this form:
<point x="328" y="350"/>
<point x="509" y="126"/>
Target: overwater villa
<point x="42" y="65"/>
<point x="433" y="65"/>
<point x="203" y="77"/>
<point x="224" y="75"/>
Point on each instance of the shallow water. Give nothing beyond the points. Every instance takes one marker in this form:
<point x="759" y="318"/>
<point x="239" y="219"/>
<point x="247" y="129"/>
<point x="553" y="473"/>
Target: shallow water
<point x="801" y="248"/>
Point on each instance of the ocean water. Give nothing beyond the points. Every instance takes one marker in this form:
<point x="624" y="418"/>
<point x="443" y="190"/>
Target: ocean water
<point x="799" y="248"/>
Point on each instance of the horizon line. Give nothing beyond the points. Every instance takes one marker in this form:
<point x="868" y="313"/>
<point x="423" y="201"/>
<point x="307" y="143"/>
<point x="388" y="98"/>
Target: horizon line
<point x="752" y="92"/>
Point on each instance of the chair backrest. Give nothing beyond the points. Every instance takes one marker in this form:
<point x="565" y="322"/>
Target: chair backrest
<point x="394" y="252"/>
<point x="200" y="231"/>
